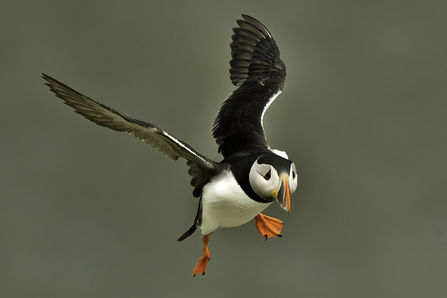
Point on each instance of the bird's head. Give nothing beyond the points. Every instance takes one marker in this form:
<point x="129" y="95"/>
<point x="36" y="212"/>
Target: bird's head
<point x="274" y="178"/>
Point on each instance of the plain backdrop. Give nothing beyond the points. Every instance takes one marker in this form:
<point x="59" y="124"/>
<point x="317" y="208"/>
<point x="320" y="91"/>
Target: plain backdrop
<point x="89" y="212"/>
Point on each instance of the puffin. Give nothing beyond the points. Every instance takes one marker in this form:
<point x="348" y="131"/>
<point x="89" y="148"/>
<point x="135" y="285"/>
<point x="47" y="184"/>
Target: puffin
<point x="251" y="175"/>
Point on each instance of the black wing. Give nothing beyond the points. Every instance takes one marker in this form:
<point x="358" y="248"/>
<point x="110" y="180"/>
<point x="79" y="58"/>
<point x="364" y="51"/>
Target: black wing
<point x="201" y="169"/>
<point x="260" y="74"/>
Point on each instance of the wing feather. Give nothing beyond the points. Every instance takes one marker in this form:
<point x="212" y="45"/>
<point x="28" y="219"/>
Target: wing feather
<point x="259" y="72"/>
<point x="201" y="169"/>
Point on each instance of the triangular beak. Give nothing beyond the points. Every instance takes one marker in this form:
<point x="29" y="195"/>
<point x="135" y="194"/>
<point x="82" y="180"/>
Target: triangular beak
<point x="283" y="197"/>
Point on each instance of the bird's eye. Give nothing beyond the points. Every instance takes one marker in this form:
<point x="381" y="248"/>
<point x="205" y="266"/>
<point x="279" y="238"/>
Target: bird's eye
<point x="268" y="175"/>
<point x="293" y="174"/>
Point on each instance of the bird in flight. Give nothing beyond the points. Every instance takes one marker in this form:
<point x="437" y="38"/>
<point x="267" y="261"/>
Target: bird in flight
<point x="251" y="175"/>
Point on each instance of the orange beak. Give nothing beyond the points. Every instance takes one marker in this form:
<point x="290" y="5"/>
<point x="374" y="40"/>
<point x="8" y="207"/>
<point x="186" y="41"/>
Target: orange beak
<point x="283" y="192"/>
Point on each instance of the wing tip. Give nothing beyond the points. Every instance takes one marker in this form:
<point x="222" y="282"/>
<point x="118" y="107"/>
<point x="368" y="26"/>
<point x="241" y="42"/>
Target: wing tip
<point x="254" y="21"/>
<point x="254" y="53"/>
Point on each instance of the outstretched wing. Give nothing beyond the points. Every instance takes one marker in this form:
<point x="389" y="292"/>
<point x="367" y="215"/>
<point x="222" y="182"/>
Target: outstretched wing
<point x="260" y="74"/>
<point x="201" y="169"/>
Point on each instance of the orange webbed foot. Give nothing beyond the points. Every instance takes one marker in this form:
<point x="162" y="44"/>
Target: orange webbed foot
<point x="268" y="226"/>
<point x="204" y="258"/>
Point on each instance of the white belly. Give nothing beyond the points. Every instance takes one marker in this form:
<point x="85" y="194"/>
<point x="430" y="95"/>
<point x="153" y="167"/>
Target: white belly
<point x="225" y="205"/>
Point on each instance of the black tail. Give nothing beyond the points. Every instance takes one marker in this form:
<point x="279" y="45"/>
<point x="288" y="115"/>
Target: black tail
<point x="197" y="223"/>
<point x="188" y="233"/>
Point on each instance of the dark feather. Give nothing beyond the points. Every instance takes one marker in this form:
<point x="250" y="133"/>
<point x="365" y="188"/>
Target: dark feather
<point x="257" y="69"/>
<point x="201" y="169"/>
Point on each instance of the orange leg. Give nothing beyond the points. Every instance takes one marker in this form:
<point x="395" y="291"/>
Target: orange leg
<point x="268" y="226"/>
<point x="204" y="258"/>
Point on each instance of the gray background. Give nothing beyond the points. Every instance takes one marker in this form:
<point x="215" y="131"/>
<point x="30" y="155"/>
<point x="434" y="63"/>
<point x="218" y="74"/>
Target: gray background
<point x="88" y="212"/>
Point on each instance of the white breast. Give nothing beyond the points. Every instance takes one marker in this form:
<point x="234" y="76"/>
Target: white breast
<point x="226" y="205"/>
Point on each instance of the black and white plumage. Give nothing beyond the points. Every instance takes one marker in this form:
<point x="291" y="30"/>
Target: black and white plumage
<point x="252" y="175"/>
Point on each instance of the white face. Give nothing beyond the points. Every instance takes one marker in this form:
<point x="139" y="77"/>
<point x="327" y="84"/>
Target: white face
<point x="264" y="179"/>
